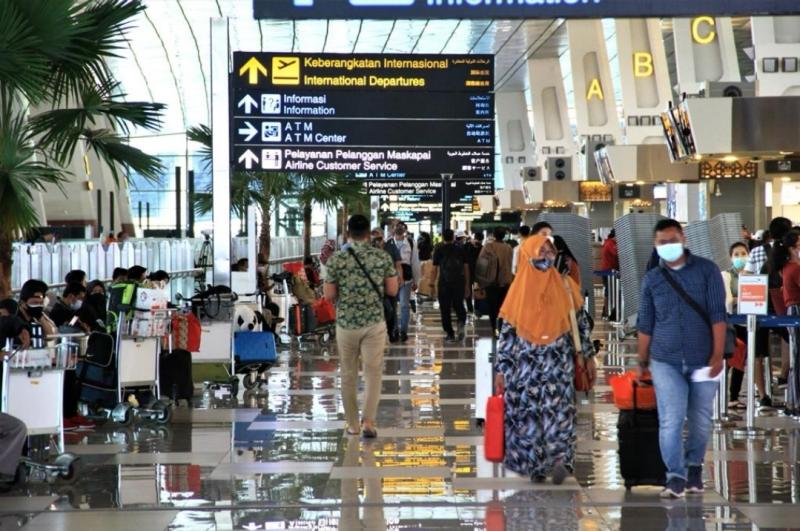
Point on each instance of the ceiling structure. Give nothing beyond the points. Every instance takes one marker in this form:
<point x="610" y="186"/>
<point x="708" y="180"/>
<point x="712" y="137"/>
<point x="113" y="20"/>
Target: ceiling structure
<point x="168" y="54"/>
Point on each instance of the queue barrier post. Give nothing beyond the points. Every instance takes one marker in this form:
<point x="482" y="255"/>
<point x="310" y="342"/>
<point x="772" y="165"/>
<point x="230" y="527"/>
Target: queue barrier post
<point x="750" y="429"/>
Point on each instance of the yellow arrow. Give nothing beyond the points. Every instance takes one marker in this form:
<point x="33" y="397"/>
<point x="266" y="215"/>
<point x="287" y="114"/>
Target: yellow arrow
<point x="252" y="67"/>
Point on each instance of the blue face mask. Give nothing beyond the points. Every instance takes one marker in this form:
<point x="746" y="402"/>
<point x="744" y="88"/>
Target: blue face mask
<point x="670" y="252"/>
<point x="543" y="264"/>
<point x="739" y="262"/>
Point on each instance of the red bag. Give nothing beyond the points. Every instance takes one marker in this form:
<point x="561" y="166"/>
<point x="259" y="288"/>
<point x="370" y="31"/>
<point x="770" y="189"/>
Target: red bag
<point x="583" y="379"/>
<point x="186" y="332"/>
<point x="739" y="358"/>
<point x="324" y="311"/>
<point x="495" y="516"/>
<point x="623" y="387"/>
<point x="494" y="446"/>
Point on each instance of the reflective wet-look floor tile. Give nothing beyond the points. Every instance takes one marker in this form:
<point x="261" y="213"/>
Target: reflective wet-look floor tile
<point x="277" y="457"/>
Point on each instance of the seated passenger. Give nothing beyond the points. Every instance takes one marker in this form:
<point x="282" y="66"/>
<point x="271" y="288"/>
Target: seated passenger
<point x="93" y="313"/>
<point x="120" y="274"/>
<point x="31" y="311"/>
<point x="137" y="274"/>
<point x="67" y="306"/>
<point x="76" y="276"/>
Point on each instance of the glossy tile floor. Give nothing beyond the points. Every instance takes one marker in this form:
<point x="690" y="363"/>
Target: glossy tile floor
<point x="277" y="458"/>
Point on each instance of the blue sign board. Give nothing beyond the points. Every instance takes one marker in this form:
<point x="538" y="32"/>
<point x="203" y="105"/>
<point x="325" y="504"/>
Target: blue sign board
<point x="487" y="9"/>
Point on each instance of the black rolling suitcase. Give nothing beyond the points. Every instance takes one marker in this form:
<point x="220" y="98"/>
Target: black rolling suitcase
<point x="301" y="319"/>
<point x="640" y="460"/>
<point x="175" y="375"/>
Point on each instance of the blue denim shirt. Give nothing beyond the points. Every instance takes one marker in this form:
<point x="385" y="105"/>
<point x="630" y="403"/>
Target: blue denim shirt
<point x="679" y="335"/>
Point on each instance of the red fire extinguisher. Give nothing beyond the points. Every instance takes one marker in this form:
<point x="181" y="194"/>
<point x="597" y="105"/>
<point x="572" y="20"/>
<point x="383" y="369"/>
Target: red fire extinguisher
<point x="493" y="430"/>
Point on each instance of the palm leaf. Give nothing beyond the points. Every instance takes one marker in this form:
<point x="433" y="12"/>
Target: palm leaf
<point x="22" y="65"/>
<point x="112" y="149"/>
<point x="21" y="173"/>
<point x="202" y="135"/>
<point x="60" y="128"/>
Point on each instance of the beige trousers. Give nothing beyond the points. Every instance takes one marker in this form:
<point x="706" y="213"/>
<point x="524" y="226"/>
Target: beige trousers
<point x="366" y="344"/>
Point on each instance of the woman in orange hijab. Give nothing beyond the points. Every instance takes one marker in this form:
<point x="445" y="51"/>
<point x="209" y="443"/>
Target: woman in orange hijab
<point x="535" y="365"/>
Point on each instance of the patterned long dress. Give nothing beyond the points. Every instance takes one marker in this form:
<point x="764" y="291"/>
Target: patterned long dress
<point x="539" y="400"/>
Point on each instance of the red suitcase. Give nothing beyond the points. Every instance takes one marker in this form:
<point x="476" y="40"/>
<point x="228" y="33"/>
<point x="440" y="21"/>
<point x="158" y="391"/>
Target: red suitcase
<point x="493" y="430"/>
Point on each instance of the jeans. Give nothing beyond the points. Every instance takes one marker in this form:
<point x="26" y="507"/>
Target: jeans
<point x="404" y="302"/>
<point x="680" y="400"/>
<point x="451" y="298"/>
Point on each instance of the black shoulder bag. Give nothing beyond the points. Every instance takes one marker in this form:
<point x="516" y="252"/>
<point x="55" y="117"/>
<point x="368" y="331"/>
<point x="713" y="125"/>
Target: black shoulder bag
<point x="388" y="305"/>
<point x="730" y="333"/>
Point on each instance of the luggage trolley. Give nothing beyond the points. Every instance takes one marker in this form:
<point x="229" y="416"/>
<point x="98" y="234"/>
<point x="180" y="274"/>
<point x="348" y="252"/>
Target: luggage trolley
<point x="254" y="352"/>
<point x="323" y="334"/>
<point x="33" y="391"/>
<point x="137" y="347"/>
<point x="215" y="312"/>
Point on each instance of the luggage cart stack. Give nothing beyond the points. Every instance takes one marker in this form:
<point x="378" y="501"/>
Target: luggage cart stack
<point x="33" y="392"/>
<point x="139" y="331"/>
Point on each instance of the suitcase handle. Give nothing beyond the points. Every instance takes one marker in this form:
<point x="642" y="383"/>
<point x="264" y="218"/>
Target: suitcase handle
<point x="637" y="383"/>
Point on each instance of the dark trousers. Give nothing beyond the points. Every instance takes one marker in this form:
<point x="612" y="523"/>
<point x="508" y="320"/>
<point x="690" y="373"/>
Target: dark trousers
<point x="72" y="393"/>
<point x="451" y="297"/>
<point x="495" y="296"/>
<point x="737" y="378"/>
<point x="468" y="300"/>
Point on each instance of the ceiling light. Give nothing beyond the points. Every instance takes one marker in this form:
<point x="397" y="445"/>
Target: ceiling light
<point x="786" y="179"/>
<point x="730" y="158"/>
<point x="640" y="182"/>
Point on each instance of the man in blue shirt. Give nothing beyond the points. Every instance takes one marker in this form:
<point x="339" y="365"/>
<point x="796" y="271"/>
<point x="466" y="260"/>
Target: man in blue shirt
<point x="675" y="340"/>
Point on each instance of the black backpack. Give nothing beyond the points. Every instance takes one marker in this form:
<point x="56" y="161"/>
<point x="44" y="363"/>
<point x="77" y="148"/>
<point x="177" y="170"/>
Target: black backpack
<point x="452" y="267"/>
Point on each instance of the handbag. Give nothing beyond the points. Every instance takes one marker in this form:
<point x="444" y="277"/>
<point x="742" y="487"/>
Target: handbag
<point x="478" y="293"/>
<point x="186" y="332"/>
<point x="583" y="378"/>
<point x="494" y="447"/>
<point x="388" y="305"/>
<point x="730" y="332"/>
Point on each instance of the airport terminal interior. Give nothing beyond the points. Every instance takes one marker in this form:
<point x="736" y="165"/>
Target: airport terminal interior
<point x="184" y="185"/>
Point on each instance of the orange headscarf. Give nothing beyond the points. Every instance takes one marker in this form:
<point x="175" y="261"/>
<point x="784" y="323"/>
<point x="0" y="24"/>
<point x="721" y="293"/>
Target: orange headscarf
<point x="538" y="303"/>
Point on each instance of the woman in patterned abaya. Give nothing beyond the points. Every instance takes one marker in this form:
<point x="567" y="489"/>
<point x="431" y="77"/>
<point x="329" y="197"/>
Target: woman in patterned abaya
<point x="535" y="365"/>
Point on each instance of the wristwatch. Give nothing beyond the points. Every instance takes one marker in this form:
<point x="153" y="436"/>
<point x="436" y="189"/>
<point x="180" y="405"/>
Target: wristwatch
<point x="644" y="364"/>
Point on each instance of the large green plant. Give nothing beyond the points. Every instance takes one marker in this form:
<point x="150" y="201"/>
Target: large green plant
<point x="58" y="99"/>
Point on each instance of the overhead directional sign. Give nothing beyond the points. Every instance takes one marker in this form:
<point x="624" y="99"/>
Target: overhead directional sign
<point x="422" y="199"/>
<point x="410" y="114"/>
<point x="488" y="9"/>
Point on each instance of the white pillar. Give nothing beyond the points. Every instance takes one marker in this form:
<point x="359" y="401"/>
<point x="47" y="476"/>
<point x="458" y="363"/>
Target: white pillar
<point x="221" y="208"/>
<point x="777" y="48"/>
<point x="516" y="146"/>
<point x="704" y="51"/>
<point x="595" y="104"/>
<point x="644" y="75"/>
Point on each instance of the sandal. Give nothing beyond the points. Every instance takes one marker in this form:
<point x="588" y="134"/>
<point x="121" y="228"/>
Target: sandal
<point x="368" y="433"/>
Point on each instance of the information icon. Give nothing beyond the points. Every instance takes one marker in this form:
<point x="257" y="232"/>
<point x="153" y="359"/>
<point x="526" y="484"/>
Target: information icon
<point x="270" y="104"/>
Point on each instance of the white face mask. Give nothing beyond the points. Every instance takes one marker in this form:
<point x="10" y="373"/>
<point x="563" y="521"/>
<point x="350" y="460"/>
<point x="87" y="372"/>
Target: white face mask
<point x="76" y="305"/>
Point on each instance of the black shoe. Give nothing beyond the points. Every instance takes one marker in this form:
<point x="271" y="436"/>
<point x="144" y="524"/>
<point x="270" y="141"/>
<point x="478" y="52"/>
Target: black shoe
<point x="766" y="402"/>
<point x="403" y="337"/>
<point x="781" y="381"/>
<point x="393" y="338"/>
<point x="538" y="478"/>
<point x="450" y="339"/>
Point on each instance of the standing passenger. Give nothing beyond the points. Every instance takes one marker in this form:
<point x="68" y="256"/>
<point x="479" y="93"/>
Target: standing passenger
<point x="536" y="365"/>
<point x="493" y="273"/>
<point x="357" y="281"/>
<point x="450" y="262"/>
<point x="676" y="338"/>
